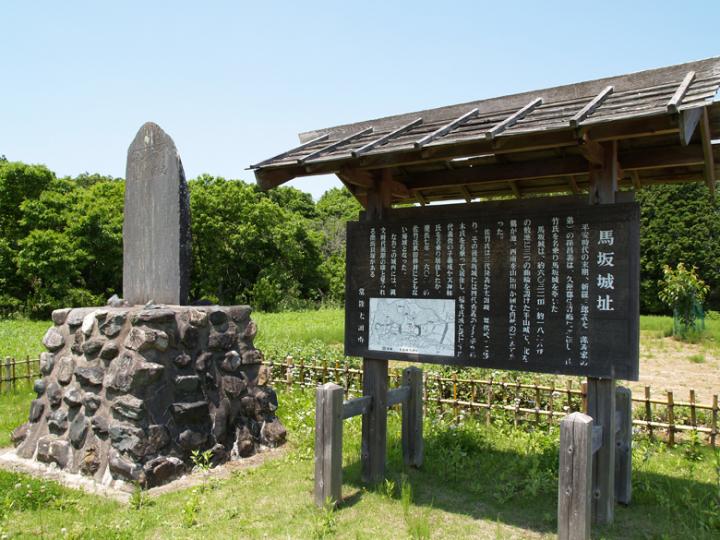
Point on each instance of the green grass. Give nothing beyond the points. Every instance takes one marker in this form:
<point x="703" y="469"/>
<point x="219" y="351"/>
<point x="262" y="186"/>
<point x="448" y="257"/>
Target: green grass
<point x="477" y="481"/>
<point x="22" y="337"/>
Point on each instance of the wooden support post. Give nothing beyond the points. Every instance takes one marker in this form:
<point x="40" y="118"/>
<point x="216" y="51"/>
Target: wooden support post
<point x="8" y="373"/>
<point x="328" y="443"/>
<point x="575" y="477"/>
<point x="601" y="407"/>
<point x="374" y="422"/>
<point x="623" y="446"/>
<point x="412" y="418"/>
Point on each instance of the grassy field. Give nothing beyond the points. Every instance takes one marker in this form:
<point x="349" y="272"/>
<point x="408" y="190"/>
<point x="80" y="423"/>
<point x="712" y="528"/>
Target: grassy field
<point x="477" y="481"/>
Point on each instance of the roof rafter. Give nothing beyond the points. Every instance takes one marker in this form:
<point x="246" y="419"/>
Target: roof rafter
<point x="591" y="106"/>
<point x="292" y="150"/>
<point x="447" y="128"/>
<point x="679" y="94"/>
<point x="513" y="118"/>
<point x="333" y="146"/>
<point x="385" y="138"/>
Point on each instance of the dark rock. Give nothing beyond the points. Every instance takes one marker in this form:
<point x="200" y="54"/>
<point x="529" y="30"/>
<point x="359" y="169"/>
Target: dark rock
<point x="100" y="425"/>
<point x="73" y="397"/>
<point x="19" y="434"/>
<point x="186" y="384"/>
<point x="157" y="437"/>
<point x="39" y="386"/>
<point x="36" y="409"/>
<point x="65" y="369"/>
<point x="231" y="362"/>
<point x="109" y="351"/>
<point x="248" y="405"/>
<point x="92" y="346"/>
<point x="244" y="444"/>
<point x="250" y="330"/>
<point x="91" y="461"/>
<point x="273" y="433"/>
<point x="47" y="362"/>
<point x="191" y="440"/>
<point x="113" y="324"/>
<point x="92" y="403"/>
<point x="50" y="449"/>
<point x="220" y="421"/>
<point x="190" y="412"/>
<point x="54" y="394"/>
<point x="78" y="430"/>
<point x="78" y="340"/>
<point x="222" y="341"/>
<point x="76" y="316"/>
<point x="163" y="469"/>
<point x="233" y="386"/>
<point x="239" y="314"/>
<point x="59" y="316"/>
<point x="219" y="455"/>
<point x="43" y="448"/>
<point x="91" y="376"/>
<point x="120" y="373"/>
<point x="57" y="421"/>
<point x="53" y="339"/>
<point x="124" y="468"/>
<point x="147" y="373"/>
<point x="203" y="361"/>
<point x="189" y="335"/>
<point x="128" y="438"/>
<point x="217" y="316"/>
<point x="129" y="407"/>
<point x="142" y="338"/>
<point x="153" y="316"/>
<point x="252" y="356"/>
<point x="182" y="360"/>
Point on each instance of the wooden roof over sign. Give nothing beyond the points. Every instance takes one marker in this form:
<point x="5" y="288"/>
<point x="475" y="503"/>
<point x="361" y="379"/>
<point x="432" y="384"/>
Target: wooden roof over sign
<point x="662" y="121"/>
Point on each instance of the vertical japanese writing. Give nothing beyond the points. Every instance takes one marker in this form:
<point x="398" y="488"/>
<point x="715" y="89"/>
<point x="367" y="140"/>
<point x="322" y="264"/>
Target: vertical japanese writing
<point x="569" y="289"/>
<point x="373" y="249"/>
<point x="472" y="347"/>
<point x="512" y="290"/>
<point x="415" y="260"/>
<point x="527" y="286"/>
<point x="540" y="293"/>
<point x="461" y="262"/>
<point x="404" y="266"/>
<point x="361" y="308"/>
<point x="437" y="266"/>
<point x="449" y="262"/>
<point x="555" y="267"/>
<point x="393" y="263"/>
<point x="487" y="236"/>
<point x="605" y="270"/>
<point x="426" y="258"/>
<point x="584" y="292"/>
<point x="383" y="261"/>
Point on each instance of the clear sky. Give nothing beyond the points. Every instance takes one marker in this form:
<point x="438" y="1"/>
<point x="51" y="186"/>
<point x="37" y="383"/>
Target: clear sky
<point x="235" y="82"/>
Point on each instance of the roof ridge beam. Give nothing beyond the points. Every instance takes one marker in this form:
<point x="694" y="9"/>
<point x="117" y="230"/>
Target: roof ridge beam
<point x="676" y="99"/>
<point x="385" y="138"/>
<point x="291" y="151"/>
<point x="447" y="128"/>
<point x="591" y="106"/>
<point x="333" y="146"/>
<point x="513" y="118"/>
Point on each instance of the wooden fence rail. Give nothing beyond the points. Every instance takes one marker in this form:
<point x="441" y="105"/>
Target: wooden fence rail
<point x="459" y="396"/>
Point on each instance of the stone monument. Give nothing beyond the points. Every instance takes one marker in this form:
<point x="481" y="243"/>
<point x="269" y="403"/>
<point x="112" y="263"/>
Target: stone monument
<point x="130" y="390"/>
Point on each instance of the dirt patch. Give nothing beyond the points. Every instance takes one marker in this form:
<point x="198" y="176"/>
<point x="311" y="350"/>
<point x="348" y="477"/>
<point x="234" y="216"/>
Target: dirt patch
<point x="667" y="364"/>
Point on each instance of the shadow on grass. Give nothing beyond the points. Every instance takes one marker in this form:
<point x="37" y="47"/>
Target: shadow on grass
<point x="469" y="475"/>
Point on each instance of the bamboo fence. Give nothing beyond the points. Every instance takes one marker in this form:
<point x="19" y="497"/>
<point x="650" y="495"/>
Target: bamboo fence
<point x="460" y="396"/>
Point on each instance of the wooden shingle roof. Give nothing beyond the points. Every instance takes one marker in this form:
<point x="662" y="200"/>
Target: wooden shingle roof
<point x="663" y="121"/>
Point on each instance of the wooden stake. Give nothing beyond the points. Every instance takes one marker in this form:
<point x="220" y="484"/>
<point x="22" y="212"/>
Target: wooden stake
<point x="412" y="418"/>
<point x="328" y="443"/>
<point x="623" y="446"/>
<point x="374" y="422"/>
<point x="574" y="482"/>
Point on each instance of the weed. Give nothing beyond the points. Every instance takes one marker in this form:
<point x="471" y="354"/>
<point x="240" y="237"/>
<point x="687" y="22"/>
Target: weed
<point x="201" y="460"/>
<point x="697" y="358"/>
<point x="190" y="509"/>
<point x="387" y="488"/>
<point x="138" y="498"/>
<point x="325" y="520"/>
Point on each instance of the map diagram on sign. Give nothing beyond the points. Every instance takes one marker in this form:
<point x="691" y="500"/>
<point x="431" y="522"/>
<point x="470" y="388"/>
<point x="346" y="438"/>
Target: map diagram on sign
<point x="412" y="325"/>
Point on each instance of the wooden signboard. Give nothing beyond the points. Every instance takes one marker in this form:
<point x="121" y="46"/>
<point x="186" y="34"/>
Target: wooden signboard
<point x="545" y="285"/>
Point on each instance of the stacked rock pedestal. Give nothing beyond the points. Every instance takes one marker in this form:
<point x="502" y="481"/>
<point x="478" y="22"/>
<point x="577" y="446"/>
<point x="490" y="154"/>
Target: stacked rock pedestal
<point x="129" y="392"/>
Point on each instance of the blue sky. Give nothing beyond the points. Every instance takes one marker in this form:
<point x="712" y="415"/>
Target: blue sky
<point x="235" y="82"/>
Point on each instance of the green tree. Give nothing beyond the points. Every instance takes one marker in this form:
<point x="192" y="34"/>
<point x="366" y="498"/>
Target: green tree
<point x="679" y="223"/>
<point x="684" y="292"/>
<point x="294" y="200"/>
<point x="18" y="183"/>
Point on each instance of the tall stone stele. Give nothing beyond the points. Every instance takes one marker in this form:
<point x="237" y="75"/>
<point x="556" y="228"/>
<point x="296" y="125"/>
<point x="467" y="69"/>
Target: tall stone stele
<point x="156" y="229"/>
<point x="129" y="391"/>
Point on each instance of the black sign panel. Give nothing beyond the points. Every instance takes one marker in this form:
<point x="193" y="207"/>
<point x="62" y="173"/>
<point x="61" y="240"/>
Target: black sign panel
<point x="547" y="285"/>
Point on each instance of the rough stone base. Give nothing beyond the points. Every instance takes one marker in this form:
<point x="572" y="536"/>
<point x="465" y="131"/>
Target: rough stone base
<point x="131" y="393"/>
